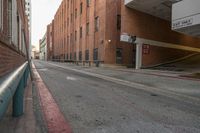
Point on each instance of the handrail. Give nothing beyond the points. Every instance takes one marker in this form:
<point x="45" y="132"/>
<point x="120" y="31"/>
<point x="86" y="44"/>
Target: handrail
<point x="9" y="86"/>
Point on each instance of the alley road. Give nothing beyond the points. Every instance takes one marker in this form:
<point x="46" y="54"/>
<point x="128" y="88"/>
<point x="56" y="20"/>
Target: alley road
<point x="94" y="105"/>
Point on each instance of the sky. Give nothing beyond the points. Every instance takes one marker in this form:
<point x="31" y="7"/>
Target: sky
<point x="43" y="12"/>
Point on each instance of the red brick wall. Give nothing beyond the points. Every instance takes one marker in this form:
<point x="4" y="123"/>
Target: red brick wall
<point x="9" y="59"/>
<point x="10" y="56"/>
<point x="149" y="27"/>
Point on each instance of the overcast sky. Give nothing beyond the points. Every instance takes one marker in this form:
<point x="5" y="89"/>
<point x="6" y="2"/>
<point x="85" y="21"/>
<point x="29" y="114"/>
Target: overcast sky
<point x="43" y="12"/>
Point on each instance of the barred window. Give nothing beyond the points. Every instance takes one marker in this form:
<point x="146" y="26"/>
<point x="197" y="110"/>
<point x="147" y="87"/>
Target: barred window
<point x="80" y="56"/>
<point x="10" y="18"/>
<point x="88" y="3"/>
<point x="95" y="54"/>
<point x="97" y="24"/>
<point x="87" y="28"/>
<point x="1" y="15"/>
<point x="87" y="55"/>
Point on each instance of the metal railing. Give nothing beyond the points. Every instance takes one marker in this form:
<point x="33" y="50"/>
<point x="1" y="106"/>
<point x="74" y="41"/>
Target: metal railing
<point x="12" y="87"/>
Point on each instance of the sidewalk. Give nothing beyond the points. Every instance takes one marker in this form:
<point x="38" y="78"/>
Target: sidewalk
<point x="28" y="122"/>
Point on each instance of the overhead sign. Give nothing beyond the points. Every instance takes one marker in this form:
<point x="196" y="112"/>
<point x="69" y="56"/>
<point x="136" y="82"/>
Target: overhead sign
<point x="127" y="38"/>
<point x="186" y="14"/>
<point x="182" y="23"/>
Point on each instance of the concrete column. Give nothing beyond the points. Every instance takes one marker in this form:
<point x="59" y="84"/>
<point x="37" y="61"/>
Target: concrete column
<point x="138" y="56"/>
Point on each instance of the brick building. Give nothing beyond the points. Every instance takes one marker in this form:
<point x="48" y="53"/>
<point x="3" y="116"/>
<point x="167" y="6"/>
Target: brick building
<point x="14" y="35"/>
<point x="82" y="32"/>
<point x="90" y="30"/>
<point x="50" y="41"/>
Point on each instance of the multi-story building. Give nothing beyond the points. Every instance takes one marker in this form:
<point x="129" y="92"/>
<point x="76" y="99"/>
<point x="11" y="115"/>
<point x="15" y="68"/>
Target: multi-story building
<point x="29" y="16"/>
<point x="14" y="35"/>
<point x="90" y="31"/>
<point x="86" y="30"/>
<point x="50" y="41"/>
<point x="43" y="48"/>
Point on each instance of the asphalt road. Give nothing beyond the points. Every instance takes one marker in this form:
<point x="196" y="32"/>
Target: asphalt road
<point x="94" y="105"/>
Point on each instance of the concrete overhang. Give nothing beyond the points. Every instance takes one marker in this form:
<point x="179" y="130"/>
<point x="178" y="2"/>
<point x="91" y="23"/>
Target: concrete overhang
<point x="158" y="8"/>
<point x="186" y="17"/>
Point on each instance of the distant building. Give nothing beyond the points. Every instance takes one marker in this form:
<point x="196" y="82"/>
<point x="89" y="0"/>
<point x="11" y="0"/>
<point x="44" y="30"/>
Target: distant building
<point x="50" y="35"/>
<point x="14" y="35"/>
<point x="43" y="48"/>
<point x="28" y="13"/>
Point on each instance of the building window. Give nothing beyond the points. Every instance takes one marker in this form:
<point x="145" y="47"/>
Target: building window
<point x="97" y="24"/>
<point x="71" y="17"/>
<point x="80" y="56"/>
<point x="87" y="28"/>
<point x="95" y="54"/>
<point x="119" y="55"/>
<point x="87" y="55"/>
<point x="66" y="56"/>
<point x="81" y="32"/>
<point x="71" y="42"/>
<point x="75" y="56"/>
<point x="10" y="18"/>
<point x="70" y="56"/>
<point x="76" y="13"/>
<point x="1" y="15"/>
<point x="68" y="21"/>
<point x="75" y="35"/>
<point x="88" y="3"/>
<point x="81" y="8"/>
<point x="118" y="22"/>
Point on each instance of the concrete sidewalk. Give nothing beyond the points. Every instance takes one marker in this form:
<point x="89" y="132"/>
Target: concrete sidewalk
<point x="28" y="123"/>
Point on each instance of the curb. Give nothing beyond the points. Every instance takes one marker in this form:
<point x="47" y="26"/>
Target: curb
<point x="55" y="120"/>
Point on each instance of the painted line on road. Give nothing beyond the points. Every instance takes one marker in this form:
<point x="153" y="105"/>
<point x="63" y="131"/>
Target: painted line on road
<point x="56" y="122"/>
<point x="170" y="93"/>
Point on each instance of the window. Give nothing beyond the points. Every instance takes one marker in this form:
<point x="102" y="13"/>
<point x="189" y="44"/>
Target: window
<point x="95" y="54"/>
<point x="75" y="56"/>
<point x="1" y="15"/>
<point x="81" y="8"/>
<point x="88" y="3"/>
<point x="70" y="56"/>
<point x="66" y="56"/>
<point x="76" y="13"/>
<point x="87" y="28"/>
<point x="68" y="21"/>
<point x="119" y="55"/>
<point x="81" y="32"/>
<point x="80" y="56"/>
<point x="71" y="17"/>
<point x="75" y="35"/>
<point x="71" y="40"/>
<point x="97" y="24"/>
<point x="118" y="22"/>
<point x="10" y="18"/>
<point x="87" y="55"/>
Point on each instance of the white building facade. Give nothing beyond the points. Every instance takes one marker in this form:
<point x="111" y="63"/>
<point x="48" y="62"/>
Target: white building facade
<point x="43" y="48"/>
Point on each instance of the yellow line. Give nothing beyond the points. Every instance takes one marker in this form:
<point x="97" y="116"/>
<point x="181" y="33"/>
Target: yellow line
<point x="167" y="45"/>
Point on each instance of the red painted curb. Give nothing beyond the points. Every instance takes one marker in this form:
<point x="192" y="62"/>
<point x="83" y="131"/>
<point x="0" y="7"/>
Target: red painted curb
<point x="55" y="120"/>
